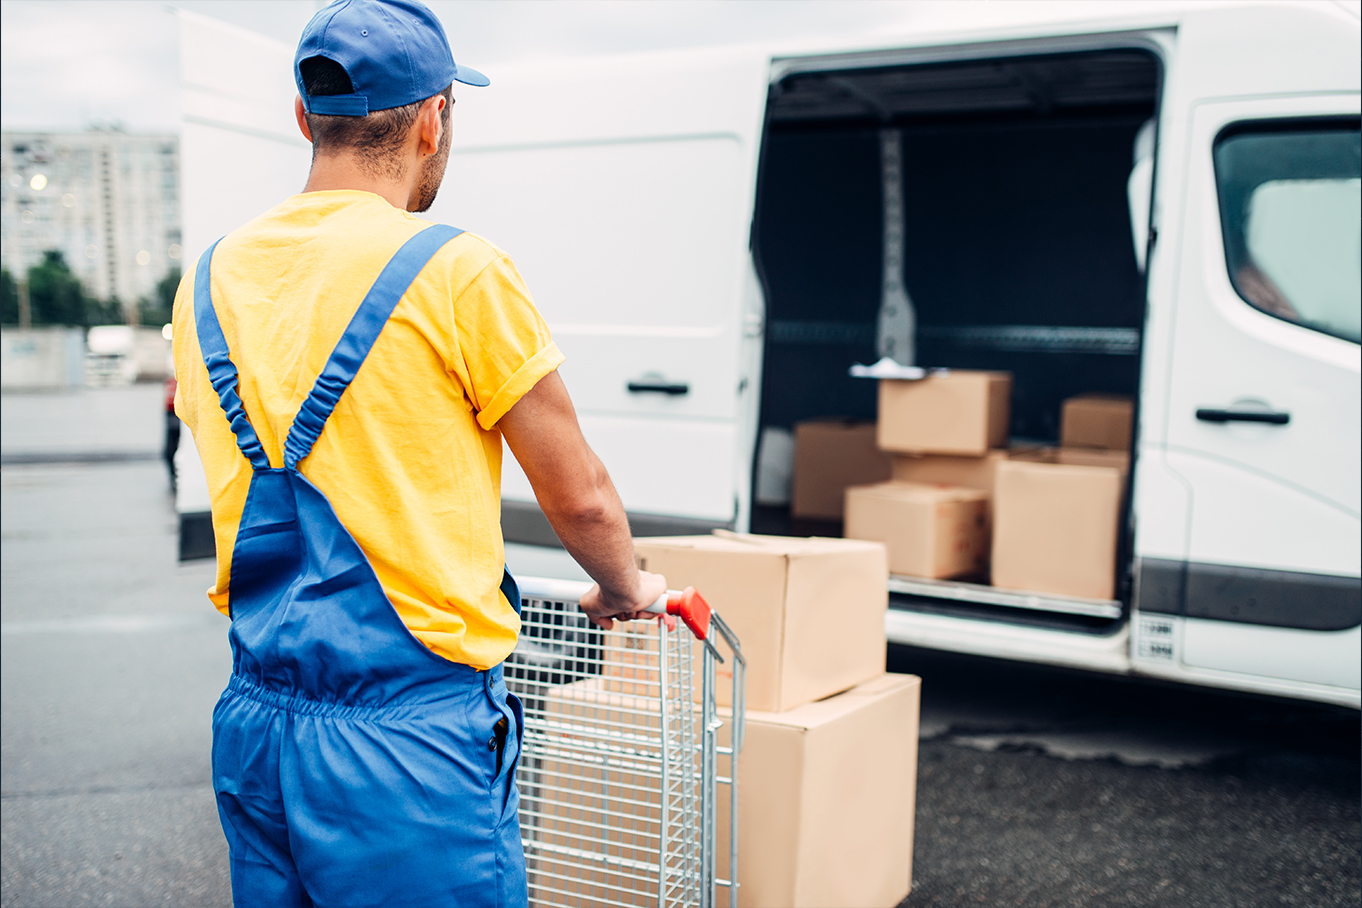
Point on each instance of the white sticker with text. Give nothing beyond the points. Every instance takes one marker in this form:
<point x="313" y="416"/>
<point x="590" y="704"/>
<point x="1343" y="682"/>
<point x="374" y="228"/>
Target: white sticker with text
<point x="1154" y="638"/>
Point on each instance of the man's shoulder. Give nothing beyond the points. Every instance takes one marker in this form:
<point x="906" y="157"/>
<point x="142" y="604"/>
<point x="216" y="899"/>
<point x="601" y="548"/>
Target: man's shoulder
<point x="470" y="247"/>
<point x="468" y="257"/>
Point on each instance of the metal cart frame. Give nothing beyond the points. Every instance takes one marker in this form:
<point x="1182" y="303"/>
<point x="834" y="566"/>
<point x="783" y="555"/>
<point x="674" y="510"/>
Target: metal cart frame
<point x="621" y="764"/>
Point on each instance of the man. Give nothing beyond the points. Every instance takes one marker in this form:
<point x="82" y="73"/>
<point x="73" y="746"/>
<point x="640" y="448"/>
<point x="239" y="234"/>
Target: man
<point x="348" y="372"/>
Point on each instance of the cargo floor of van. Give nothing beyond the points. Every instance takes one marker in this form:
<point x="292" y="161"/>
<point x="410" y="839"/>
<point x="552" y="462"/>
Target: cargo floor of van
<point x="1017" y="251"/>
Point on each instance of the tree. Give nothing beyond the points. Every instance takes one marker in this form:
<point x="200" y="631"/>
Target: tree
<point x="54" y="293"/>
<point x="104" y="312"/>
<point x="9" y="298"/>
<point x="156" y="311"/>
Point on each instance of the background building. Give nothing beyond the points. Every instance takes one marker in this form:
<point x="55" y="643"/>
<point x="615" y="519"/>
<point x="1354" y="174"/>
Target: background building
<point x="108" y="200"/>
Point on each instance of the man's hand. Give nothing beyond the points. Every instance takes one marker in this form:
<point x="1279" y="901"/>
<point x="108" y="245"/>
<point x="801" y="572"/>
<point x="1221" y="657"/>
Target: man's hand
<point x="604" y="608"/>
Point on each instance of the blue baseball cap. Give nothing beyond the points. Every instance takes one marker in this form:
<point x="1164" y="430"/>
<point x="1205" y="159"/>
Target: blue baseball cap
<point x="394" y="51"/>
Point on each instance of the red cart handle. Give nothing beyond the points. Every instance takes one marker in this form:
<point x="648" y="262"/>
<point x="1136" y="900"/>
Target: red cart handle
<point x="689" y="605"/>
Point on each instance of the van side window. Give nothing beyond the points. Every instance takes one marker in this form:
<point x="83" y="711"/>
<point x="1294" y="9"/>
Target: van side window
<point x="1291" y="213"/>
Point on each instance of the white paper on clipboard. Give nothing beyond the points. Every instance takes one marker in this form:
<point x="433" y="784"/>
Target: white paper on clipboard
<point x="887" y="368"/>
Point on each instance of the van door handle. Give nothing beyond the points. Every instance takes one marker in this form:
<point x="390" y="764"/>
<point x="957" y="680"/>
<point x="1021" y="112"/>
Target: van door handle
<point x="673" y="389"/>
<point x="1272" y="417"/>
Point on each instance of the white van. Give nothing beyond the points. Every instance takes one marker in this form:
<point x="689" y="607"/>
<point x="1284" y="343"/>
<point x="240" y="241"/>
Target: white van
<point x="706" y="233"/>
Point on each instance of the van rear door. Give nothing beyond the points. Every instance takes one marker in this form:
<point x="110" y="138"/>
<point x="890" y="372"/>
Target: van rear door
<point x="1262" y="418"/>
<point x="622" y="188"/>
<point x="240" y="154"/>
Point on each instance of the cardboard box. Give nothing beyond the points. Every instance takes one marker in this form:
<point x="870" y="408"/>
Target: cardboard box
<point x="809" y="612"/>
<point x="826" y="799"/>
<point x="1097" y="421"/>
<point x="811" y="833"/>
<point x="947" y="469"/>
<point x="933" y="531"/>
<point x="593" y="789"/>
<point x="831" y="454"/>
<point x="1083" y="457"/>
<point x="1055" y="528"/>
<point x="955" y="412"/>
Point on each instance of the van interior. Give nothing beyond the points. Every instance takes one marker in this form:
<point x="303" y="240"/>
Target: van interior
<point x="1017" y="252"/>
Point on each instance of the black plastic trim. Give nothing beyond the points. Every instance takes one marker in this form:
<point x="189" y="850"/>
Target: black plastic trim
<point x="62" y="457"/>
<point x="520" y="522"/>
<point x="1316" y="602"/>
<point x="196" y="536"/>
<point x="1159" y="585"/>
<point x="524" y="522"/>
<point x="1218" y="592"/>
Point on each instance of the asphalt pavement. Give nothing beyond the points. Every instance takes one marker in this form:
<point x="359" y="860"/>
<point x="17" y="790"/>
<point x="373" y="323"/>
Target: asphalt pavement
<point x="112" y="660"/>
<point x="1042" y="787"/>
<point x="1036" y="787"/>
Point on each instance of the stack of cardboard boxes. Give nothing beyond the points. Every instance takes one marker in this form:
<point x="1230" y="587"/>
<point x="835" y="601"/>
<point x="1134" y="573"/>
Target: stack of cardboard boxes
<point x="959" y="504"/>
<point x="827" y="775"/>
<point x="946" y="435"/>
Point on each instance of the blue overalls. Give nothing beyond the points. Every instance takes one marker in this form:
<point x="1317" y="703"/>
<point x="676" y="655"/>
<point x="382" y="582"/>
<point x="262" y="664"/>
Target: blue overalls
<point x="352" y="765"/>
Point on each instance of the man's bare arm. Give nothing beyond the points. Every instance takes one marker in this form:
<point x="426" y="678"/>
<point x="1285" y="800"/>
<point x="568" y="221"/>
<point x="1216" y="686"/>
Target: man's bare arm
<point x="579" y="500"/>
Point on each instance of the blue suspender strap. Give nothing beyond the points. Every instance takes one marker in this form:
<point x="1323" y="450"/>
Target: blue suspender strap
<point x="221" y="371"/>
<point x="510" y="589"/>
<point x="359" y="338"/>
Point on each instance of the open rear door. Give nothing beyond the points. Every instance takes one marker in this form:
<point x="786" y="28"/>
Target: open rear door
<point x="623" y="189"/>
<point x="241" y="150"/>
<point x="240" y="155"/>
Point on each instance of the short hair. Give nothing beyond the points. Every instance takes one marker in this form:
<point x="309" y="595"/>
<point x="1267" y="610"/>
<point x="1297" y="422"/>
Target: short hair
<point x="377" y="138"/>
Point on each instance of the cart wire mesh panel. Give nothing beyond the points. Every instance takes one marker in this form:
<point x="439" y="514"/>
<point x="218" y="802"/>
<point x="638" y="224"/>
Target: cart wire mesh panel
<point x="623" y="775"/>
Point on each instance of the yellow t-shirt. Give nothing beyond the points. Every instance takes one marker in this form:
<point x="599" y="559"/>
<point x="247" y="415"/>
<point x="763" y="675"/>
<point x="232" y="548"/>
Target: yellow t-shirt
<point x="410" y="458"/>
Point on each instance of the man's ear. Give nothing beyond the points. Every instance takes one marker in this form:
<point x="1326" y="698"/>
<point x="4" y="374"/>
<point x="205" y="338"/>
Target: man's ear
<point x="301" y="115"/>
<point x="429" y="125"/>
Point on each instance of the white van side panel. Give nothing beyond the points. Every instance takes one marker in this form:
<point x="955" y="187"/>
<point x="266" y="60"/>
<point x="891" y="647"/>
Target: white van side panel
<point x="1314" y="666"/>
<point x="1225" y="52"/>
<point x="1217" y="52"/>
<point x="1252" y="498"/>
<point x="1283" y="528"/>
<point x="1268" y="49"/>
<point x="1309" y="657"/>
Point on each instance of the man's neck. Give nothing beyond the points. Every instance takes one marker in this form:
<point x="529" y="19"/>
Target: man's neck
<point x="331" y="172"/>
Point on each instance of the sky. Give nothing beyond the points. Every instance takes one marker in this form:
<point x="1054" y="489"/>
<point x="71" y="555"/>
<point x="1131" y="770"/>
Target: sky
<point x="67" y="64"/>
<point x="71" y="64"/>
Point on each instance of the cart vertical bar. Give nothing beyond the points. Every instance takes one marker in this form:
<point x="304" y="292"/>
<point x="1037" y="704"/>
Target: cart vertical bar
<point x="707" y="781"/>
<point x="663" y="851"/>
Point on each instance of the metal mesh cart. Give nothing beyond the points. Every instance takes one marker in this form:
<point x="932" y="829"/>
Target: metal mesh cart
<point x="628" y="776"/>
